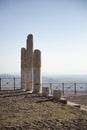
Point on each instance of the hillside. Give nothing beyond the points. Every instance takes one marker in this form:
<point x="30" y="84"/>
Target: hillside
<point x="24" y="111"/>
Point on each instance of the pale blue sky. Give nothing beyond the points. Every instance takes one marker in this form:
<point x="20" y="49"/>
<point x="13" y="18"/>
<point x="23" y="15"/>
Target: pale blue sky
<point x="59" y="28"/>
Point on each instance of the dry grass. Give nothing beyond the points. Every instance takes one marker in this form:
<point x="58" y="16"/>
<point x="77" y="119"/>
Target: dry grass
<point x="16" y="110"/>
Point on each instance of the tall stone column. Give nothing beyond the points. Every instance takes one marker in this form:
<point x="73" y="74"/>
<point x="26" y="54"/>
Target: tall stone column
<point x="30" y="62"/>
<point x="37" y="71"/>
<point x="23" y="68"/>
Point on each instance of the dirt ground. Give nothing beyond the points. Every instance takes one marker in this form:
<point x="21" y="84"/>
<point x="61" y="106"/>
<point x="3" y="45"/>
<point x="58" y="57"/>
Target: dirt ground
<point x="80" y="99"/>
<point x="24" y="111"/>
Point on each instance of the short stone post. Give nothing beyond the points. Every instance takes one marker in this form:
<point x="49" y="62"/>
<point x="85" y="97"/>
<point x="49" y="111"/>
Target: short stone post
<point x="57" y="94"/>
<point x="45" y="91"/>
<point x="37" y="71"/>
<point x="30" y="62"/>
<point x="23" y="68"/>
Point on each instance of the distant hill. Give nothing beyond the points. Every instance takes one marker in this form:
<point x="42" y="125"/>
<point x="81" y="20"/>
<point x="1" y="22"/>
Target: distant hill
<point x="9" y="76"/>
<point x="55" y="79"/>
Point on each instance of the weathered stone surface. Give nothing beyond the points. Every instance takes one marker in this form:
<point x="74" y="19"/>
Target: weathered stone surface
<point x="30" y="67"/>
<point x="30" y="62"/>
<point x="37" y="71"/>
<point x="73" y="104"/>
<point x="63" y="100"/>
<point x="23" y="68"/>
<point x="45" y="91"/>
<point x="57" y="94"/>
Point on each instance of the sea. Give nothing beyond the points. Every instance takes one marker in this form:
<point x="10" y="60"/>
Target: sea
<point x="65" y="83"/>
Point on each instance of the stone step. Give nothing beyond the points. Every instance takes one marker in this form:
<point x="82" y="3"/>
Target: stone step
<point x="84" y="109"/>
<point x="73" y="104"/>
<point x="14" y="93"/>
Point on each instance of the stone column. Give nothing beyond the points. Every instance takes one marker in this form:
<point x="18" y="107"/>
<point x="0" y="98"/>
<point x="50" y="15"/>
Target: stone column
<point x="23" y="68"/>
<point x="37" y="71"/>
<point x="30" y="62"/>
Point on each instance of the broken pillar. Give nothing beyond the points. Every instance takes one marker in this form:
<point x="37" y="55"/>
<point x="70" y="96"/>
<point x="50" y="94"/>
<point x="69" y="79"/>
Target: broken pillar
<point x="29" y="63"/>
<point x="57" y="94"/>
<point x="45" y="91"/>
<point x="23" y="68"/>
<point x="37" y="71"/>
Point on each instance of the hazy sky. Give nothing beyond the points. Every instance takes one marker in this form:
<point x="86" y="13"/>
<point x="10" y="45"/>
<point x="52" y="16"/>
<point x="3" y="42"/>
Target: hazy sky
<point x="59" y="28"/>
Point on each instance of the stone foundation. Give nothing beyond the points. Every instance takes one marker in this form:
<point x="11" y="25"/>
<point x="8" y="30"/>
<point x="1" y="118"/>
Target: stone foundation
<point x="29" y="62"/>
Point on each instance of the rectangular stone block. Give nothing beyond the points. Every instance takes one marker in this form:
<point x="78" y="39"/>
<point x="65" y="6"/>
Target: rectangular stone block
<point x="57" y="94"/>
<point x="45" y="91"/>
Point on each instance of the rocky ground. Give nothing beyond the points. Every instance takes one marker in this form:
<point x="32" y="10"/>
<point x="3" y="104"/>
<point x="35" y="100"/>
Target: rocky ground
<point x="80" y="99"/>
<point x="24" y="111"/>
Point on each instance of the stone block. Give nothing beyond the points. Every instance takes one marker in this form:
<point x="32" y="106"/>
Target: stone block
<point x="45" y="91"/>
<point x="63" y="100"/>
<point x="57" y="94"/>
